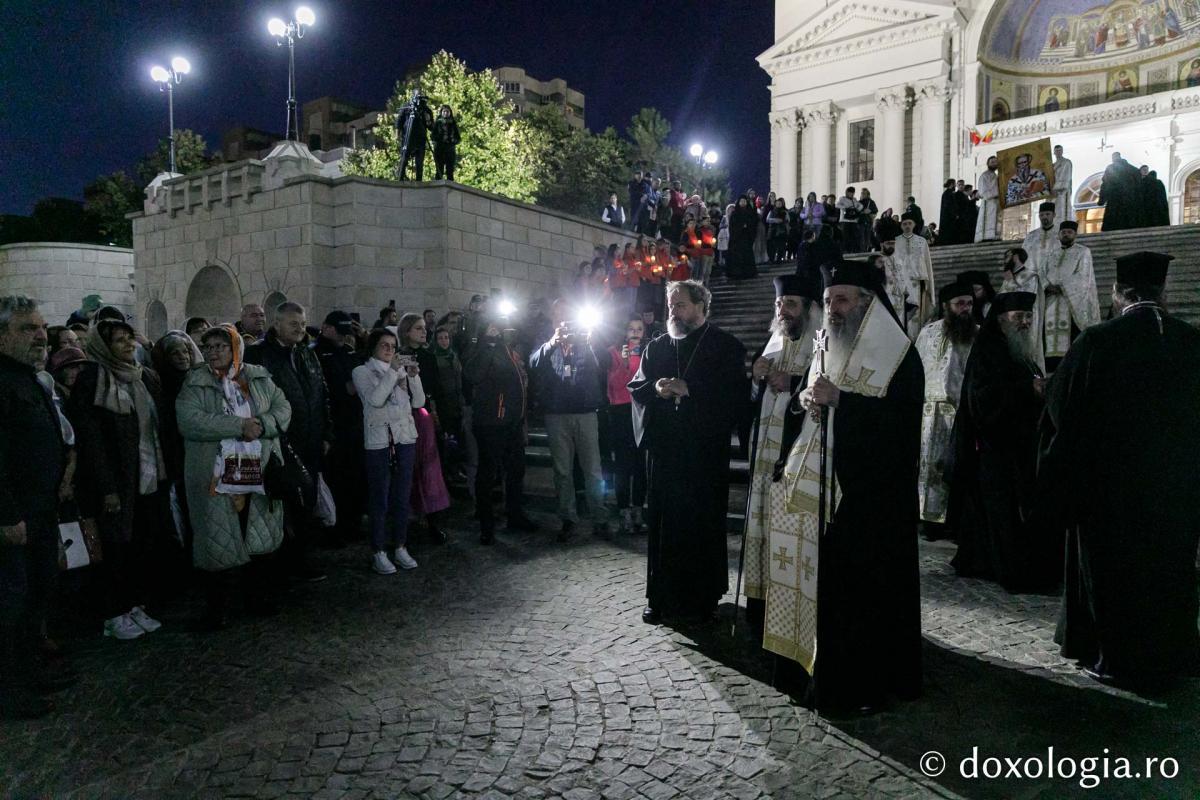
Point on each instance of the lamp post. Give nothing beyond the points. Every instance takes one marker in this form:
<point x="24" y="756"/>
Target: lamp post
<point x="167" y="78"/>
<point x="289" y="32"/>
<point x="705" y="159"/>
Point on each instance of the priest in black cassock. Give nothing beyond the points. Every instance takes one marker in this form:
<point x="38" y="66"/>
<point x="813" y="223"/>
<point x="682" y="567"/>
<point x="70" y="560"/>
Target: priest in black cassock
<point x="1119" y="450"/>
<point x="856" y="608"/>
<point x="995" y="456"/>
<point x="688" y="395"/>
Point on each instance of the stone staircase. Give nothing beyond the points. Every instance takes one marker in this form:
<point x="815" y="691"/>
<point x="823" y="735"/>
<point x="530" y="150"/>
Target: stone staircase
<point x="745" y="309"/>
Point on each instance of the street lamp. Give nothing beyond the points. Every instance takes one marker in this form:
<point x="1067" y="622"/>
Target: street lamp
<point x="703" y="158"/>
<point x="289" y="32"/>
<point x="166" y="78"/>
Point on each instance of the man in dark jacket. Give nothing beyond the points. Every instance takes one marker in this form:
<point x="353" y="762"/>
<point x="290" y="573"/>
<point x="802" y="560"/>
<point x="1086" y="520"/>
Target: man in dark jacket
<point x="294" y="367"/>
<point x="345" y="471"/>
<point x="33" y="458"/>
<point x="568" y="381"/>
<point x="498" y="384"/>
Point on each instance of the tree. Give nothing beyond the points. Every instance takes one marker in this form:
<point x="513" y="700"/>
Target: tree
<point x="496" y="154"/>
<point x="191" y="155"/>
<point x="107" y="200"/>
<point x="577" y="169"/>
<point x="648" y="130"/>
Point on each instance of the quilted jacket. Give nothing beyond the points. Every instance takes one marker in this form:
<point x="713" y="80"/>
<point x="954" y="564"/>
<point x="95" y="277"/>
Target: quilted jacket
<point x="200" y="409"/>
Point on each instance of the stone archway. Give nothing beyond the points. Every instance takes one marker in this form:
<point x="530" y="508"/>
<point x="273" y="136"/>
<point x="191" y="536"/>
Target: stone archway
<point x="213" y="295"/>
<point x="271" y="302"/>
<point x="156" y="320"/>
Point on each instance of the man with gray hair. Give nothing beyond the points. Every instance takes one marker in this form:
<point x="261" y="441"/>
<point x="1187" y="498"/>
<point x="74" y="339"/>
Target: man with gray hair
<point x="33" y="457"/>
<point x="689" y="393"/>
<point x="296" y="370"/>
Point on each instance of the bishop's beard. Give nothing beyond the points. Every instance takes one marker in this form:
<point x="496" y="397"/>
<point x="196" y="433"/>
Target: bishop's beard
<point x="960" y="328"/>
<point x="1021" y="344"/>
<point x="841" y="337"/>
<point x="796" y="328"/>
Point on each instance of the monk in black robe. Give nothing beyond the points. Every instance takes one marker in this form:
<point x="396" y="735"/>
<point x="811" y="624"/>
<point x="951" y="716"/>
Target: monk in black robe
<point x="688" y="395"/>
<point x="995" y="457"/>
<point x="1120" y="194"/>
<point x="868" y="582"/>
<point x="1120" y="444"/>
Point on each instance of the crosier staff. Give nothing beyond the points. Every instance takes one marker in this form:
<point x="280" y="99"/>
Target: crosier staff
<point x="820" y="347"/>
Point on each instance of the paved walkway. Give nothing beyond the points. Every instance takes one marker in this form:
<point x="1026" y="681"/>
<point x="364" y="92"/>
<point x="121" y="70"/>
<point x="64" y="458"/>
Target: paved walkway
<point x="524" y="671"/>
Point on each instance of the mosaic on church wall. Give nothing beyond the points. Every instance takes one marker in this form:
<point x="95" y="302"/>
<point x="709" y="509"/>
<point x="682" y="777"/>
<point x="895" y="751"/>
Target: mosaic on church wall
<point x="1042" y="56"/>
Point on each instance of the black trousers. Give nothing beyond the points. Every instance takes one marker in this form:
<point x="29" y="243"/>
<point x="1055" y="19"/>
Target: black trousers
<point x="415" y="157"/>
<point x="347" y="480"/>
<point x="133" y="572"/>
<point x="444" y="158"/>
<point x="500" y="447"/>
<point x="27" y="576"/>
<point x="629" y="459"/>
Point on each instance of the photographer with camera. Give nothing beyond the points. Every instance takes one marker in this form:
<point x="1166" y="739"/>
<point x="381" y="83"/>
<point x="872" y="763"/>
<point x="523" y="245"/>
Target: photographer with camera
<point x="496" y="377"/>
<point x="568" y="381"/>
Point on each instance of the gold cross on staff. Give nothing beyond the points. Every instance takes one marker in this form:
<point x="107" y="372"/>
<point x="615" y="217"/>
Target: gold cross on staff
<point x="783" y="558"/>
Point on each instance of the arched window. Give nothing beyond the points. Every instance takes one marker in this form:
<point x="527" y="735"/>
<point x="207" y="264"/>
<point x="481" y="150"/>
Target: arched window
<point x="156" y="320"/>
<point x="1191" y="198"/>
<point x="1088" y="211"/>
<point x="271" y="303"/>
<point x="213" y="295"/>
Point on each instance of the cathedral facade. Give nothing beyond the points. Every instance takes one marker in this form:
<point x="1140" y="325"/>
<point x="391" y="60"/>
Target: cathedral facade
<point x="898" y="95"/>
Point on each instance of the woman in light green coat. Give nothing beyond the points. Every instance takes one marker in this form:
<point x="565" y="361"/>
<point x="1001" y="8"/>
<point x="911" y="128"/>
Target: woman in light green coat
<point x="226" y="400"/>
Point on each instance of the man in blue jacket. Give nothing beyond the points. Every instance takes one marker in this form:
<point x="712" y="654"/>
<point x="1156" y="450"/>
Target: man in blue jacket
<point x="569" y="383"/>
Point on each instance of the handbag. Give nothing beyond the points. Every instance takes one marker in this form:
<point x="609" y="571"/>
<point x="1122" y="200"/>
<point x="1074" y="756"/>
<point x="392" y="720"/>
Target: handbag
<point x="287" y="478"/>
<point x="79" y="539"/>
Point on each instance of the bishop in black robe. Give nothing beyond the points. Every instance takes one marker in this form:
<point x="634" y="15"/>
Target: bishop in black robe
<point x="1119" y="450"/>
<point x="688" y="445"/>
<point x="868" y="581"/>
<point x="995" y="463"/>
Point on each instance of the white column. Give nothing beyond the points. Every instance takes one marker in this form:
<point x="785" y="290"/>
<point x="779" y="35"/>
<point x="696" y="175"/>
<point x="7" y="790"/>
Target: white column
<point x="818" y="128"/>
<point x="889" y="146"/>
<point x="931" y="101"/>
<point x="786" y="126"/>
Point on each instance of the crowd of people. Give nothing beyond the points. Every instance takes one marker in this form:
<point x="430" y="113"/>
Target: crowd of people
<point x="230" y="451"/>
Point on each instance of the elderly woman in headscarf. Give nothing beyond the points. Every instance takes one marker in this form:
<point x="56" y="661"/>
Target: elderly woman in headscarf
<point x="114" y="408"/>
<point x="173" y="355"/>
<point x="231" y="415"/>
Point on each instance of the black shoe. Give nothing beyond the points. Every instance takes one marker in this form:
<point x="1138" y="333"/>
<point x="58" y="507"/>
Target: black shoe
<point x="487" y="537"/>
<point x="23" y="704"/>
<point x="435" y="535"/>
<point x="567" y="528"/>
<point x="520" y="522"/>
<point x="650" y="616"/>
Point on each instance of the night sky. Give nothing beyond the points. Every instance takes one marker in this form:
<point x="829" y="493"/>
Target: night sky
<point x="78" y="100"/>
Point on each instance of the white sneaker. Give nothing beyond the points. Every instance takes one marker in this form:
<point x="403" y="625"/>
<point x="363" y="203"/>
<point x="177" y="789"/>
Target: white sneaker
<point x="122" y="627"/>
<point x="404" y="559"/>
<point x="143" y="620"/>
<point x="382" y="565"/>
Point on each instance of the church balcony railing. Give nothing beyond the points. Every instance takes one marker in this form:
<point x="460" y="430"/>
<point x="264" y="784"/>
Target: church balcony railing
<point x="1135" y="108"/>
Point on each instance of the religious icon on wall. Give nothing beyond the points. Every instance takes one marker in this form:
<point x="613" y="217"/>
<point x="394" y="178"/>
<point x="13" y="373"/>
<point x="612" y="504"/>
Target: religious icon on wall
<point x="1026" y="173"/>
<point x="1189" y="73"/>
<point x="999" y="110"/>
<point x="1122" y="83"/>
<point x="1052" y="98"/>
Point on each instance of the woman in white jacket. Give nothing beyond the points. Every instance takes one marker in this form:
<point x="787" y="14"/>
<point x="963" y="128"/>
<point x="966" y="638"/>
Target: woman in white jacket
<point x="390" y="388"/>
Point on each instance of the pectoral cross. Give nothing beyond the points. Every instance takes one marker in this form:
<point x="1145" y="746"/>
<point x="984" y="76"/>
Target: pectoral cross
<point x="820" y="348"/>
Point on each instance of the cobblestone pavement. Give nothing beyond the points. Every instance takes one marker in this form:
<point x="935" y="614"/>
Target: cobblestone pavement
<point x="524" y="671"/>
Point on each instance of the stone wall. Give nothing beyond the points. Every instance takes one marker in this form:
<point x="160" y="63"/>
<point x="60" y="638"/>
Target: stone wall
<point x="349" y="243"/>
<point x="58" y="275"/>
